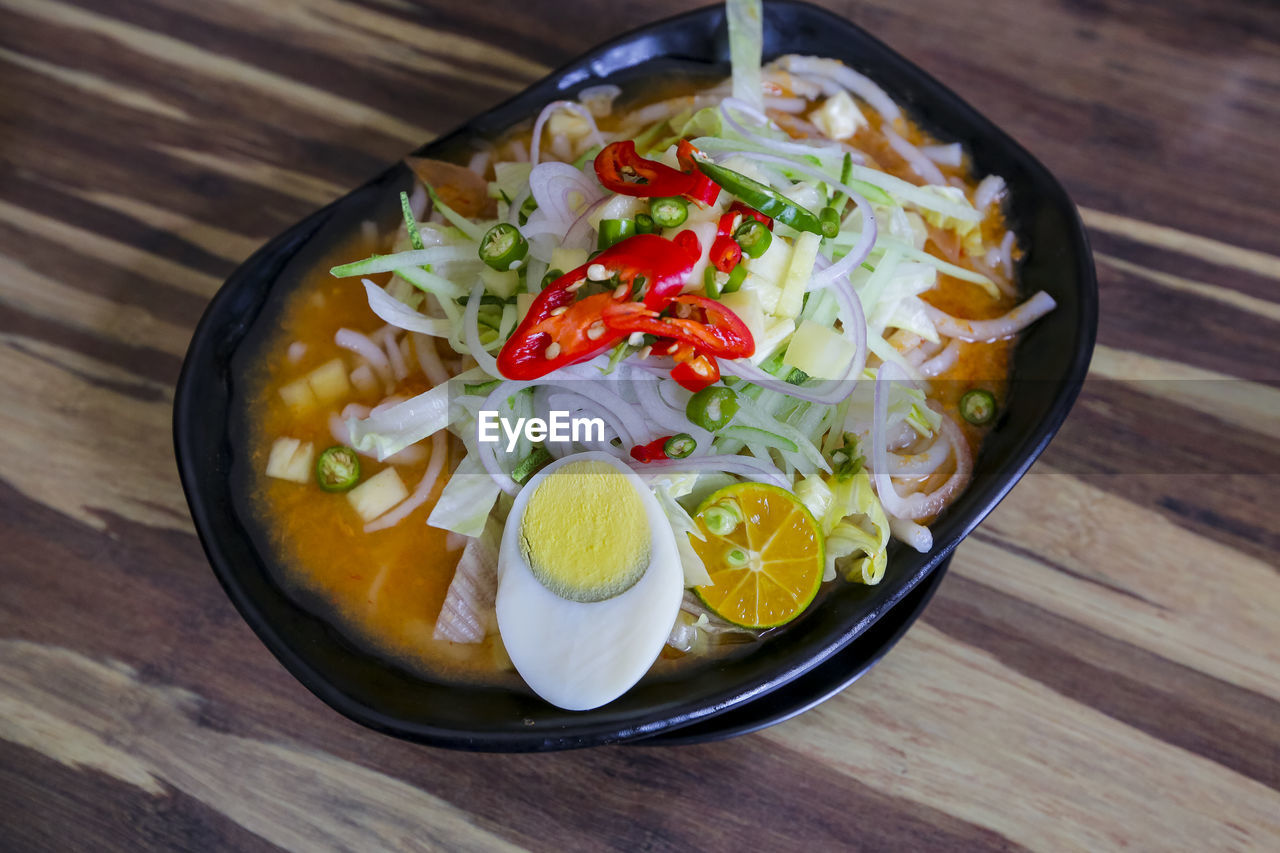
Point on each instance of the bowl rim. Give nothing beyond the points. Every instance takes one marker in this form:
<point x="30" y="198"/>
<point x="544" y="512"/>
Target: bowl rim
<point x="211" y="344"/>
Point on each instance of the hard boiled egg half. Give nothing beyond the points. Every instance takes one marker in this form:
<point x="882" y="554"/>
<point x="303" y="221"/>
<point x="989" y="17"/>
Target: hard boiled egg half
<point x="589" y="581"/>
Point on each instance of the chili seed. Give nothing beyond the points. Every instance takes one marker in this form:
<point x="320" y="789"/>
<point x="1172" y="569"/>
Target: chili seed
<point x="556" y="312"/>
<point x="671" y="350"/>
<point x="595" y="331"/>
<point x="552" y="351"/>
<point x="597" y="272"/>
<point x="644" y="352"/>
<point x="573" y="288"/>
<point x="622" y="291"/>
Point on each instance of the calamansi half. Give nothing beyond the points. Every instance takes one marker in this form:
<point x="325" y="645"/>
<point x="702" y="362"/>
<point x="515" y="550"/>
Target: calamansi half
<point x="764" y="552"/>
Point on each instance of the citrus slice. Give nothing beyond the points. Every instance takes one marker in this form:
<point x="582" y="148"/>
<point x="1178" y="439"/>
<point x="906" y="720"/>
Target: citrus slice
<point x="764" y="552"/>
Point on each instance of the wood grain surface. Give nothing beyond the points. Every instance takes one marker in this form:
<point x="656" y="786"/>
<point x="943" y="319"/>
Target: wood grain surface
<point x="1100" y="669"/>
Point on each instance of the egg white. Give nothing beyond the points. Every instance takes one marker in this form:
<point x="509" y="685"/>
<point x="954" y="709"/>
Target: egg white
<point x="579" y="655"/>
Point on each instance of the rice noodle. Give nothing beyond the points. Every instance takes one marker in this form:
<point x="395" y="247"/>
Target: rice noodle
<point x="989" y="189"/>
<point x="785" y="105"/>
<point x="920" y="164"/>
<point x="550" y="108"/>
<point x="992" y="330"/>
<point x="914" y="535"/>
<point x="918" y="505"/>
<point x="362" y="346"/>
<point x="944" y="155"/>
<point x="479" y="162"/>
<point x="426" y="485"/>
<point x="920" y="464"/>
<point x="394" y="356"/>
<point x="943" y="361"/>
<point x="429" y="360"/>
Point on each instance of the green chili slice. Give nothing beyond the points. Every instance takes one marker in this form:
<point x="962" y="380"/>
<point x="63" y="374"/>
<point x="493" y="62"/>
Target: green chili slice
<point x="736" y="278"/>
<point x="645" y="224"/>
<point x="669" y="212"/>
<point x="710" y="283"/>
<point x="503" y="246"/>
<point x="830" y="220"/>
<point x="679" y="446"/>
<point x="712" y="408"/>
<point x="722" y="518"/>
<point x="613" y="231"/>
<point x="845" y="460"/>
<point x="757" y="196"/>
<point x="978" y="406"/>
<point x="338" y="469"/>
<point x="754" y="237"/>
<point x="526" y="209"/>
<point x="551" y="276"/>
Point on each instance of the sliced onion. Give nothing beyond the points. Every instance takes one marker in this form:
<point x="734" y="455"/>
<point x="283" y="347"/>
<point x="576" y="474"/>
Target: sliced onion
<point x="992" y="330"/>
<point x="553" y="186"/>
<point x="471" y="332"/>
<point x="579" y="234"/>
<point x="550" y="108"/>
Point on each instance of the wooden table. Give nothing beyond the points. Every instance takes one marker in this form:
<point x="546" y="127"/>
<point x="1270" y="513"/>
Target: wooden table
<point x="1099" y="668"/>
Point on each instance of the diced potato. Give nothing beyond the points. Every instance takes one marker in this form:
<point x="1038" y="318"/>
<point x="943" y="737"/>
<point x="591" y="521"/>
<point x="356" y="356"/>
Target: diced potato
<point x="524" y="301"/>
<point x="329" y="382"/>
<point x="290" y="459"/>
<point x="378" y="494"/>
<point x="746" y="304"/>
<point x="818" y="350"/>
<point x="618" y="207"/>
<point x="776" y="331"/>
<point x="799" y="271"/>
<point x="501" y="283"/>
<point x="567" y="123"/>
<point x="567" y="259"/>
<point x="298" y="396"/>
<point x="772" y="265"/>
<point x="838" y="117"/>
<point x="364" y="380"/>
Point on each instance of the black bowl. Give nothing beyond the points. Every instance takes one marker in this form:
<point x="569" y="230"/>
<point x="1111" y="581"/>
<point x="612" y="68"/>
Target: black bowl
<point x="1050" y="365"/>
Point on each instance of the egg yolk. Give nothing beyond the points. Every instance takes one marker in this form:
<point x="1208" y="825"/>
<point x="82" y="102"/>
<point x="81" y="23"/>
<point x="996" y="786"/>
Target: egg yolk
<point x="585" y="535"/>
